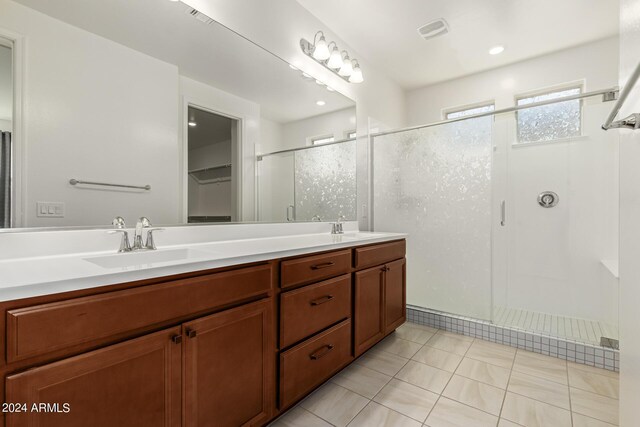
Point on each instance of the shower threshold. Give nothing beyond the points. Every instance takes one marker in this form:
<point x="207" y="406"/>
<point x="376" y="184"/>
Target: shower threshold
<point x="589" y="331"/>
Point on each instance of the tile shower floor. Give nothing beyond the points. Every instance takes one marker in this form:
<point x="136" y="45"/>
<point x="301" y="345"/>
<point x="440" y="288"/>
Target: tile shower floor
<point x="583" y="330"/>
<point x="420" y="376"/>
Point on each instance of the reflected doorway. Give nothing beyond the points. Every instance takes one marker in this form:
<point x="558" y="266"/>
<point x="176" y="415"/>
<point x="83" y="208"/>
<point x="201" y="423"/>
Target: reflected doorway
<point x="212" y="142"/>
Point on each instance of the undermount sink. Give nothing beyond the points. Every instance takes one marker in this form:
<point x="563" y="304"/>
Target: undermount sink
<point x="132" y="259"/>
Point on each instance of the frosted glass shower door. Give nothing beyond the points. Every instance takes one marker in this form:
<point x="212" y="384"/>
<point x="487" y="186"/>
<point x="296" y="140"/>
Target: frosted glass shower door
<point x="434" y="183"/>
<point x="325" y="182"/>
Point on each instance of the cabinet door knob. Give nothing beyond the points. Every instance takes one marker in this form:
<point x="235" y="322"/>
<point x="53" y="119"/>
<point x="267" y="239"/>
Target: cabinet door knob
<point x="385" y="268"/>
<point x="191" y="333"/>
<point x="177" y="339"/>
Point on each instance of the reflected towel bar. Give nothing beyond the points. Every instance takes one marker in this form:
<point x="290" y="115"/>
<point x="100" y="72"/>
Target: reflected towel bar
<point x="632" y="121"/>
<point x="74" y="181"/>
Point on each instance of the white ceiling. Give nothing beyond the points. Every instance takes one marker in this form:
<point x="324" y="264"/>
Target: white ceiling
<point x="385" y="32"/>
<point x="6" y="91"/>
<point x="211" y="54"/>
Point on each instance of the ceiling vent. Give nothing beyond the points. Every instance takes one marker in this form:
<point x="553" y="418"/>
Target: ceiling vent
<point x="199" y="15"/>
<point x="433" y="29"/>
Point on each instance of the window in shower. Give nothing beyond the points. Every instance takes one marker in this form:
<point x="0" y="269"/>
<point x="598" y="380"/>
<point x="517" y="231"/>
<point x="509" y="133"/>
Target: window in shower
<point x="549" y="122"/>
<point x="322" y="140"/>
<point x="468" y="111"/>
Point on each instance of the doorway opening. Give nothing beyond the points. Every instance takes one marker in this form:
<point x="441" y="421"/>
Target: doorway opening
<point x="212" y="142"/>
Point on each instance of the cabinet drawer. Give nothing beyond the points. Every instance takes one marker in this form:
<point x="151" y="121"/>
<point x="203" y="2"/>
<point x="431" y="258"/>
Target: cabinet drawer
<point x="312" y="308"/>
<point x="47" y="328"/>
<point x="314" y="268"/>
<point x="312" y="362"/>
<point x="370" y="256"/>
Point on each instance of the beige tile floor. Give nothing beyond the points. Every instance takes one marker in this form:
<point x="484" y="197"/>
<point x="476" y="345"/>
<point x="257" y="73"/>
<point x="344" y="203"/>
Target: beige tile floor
<point x="421" y="376"/>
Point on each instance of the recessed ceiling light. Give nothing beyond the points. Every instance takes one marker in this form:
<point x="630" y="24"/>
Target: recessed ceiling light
<point x="496" y="50"/>
<point x="320" y="103"/>
<point x="192" y="124"/>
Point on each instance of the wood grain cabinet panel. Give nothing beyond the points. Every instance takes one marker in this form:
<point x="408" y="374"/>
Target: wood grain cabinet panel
<point x="41" y="329"/>
<point x="310" y="363"/>
<point x="136" y="383"/>
<point x="395" y="295"/>
<point x="230" y="368"/>
<point x="314" y="268"/>
<point x="308" y="310"/>
<point x="368" y="316"/>
<point x="369" y="256"/>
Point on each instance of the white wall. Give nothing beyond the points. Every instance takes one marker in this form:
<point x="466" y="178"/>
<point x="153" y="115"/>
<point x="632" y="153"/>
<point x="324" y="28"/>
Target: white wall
<point x="596" y="63"/>
<point x="119" y="113"/>
<point x="5" y="125"/>
<point x="336" y="124"/>
<point x="629" y="224"/>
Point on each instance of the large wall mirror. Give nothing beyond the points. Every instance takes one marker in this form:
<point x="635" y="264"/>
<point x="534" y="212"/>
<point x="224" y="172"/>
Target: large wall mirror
<point x="157" y="110"/>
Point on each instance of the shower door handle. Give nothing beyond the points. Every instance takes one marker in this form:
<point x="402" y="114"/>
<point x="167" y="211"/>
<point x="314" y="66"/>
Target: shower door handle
<point x="291" y="213"/>
<point x="503" y="213"/>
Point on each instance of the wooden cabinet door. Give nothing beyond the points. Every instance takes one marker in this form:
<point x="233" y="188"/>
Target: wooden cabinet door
<point x="230" y="368"/>
<point x="368" y="316"/>
<point x="395" y="295"/>
<point x="136" y="383"/>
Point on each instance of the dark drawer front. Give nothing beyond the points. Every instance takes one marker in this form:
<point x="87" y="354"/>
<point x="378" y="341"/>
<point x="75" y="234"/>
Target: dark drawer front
<point x="314" y="268"/>
<point x="310" y="309"/>
<point x="46" y="328"/>
<point x="370" y="256"/>
<point x="312" y="362"/>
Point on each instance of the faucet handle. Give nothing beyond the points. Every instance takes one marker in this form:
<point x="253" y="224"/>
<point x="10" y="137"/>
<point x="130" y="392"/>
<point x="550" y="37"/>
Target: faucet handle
<point x="150" y="244"/>
<point x="125" y="246"/>
<point x="118" y="222"/>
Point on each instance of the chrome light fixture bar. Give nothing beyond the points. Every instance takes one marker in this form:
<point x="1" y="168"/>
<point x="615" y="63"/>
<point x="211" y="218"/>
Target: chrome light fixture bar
<point x="329" y="56"/>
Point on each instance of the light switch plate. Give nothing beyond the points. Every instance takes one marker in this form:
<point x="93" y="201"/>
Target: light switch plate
<point x="50" y="209"/>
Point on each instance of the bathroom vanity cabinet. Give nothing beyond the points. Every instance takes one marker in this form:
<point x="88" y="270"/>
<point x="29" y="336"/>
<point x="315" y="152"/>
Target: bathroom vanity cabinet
<point x="226" y="347"/>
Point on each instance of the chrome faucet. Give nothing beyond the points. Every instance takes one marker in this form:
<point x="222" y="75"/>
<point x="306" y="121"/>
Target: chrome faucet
<point x="142" y="224"/>
<point x="336" y="227"/>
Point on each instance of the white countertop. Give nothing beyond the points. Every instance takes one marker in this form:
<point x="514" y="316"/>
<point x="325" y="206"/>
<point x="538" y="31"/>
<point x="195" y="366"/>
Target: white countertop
<point x="43" y="275"/>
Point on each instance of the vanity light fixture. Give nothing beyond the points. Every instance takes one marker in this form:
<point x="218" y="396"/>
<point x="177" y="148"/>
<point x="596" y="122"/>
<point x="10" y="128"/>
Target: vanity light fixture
<point x="330" y="57"/>
<point x="496" y="50"/>
<point x="320" y="103"/>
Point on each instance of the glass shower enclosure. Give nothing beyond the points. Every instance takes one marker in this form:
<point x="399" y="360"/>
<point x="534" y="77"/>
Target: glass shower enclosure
<point x="512" y="216"/>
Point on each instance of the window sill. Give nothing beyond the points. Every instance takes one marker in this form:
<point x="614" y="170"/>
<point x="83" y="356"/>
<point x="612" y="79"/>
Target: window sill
<point x="551" y="141"/>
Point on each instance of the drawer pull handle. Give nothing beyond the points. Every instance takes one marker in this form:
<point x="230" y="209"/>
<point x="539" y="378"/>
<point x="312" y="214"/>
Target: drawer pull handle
<point x="191" y="333"/>
<point x="318" y="354"/>
<point x="177" y="339"/>
<point x="321" y="300"/>
<point x="323" y="265"/>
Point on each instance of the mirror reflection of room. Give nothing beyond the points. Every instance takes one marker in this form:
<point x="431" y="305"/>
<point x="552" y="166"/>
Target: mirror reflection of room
<point x="6" y="106"/>
<point x="212" y="140"/>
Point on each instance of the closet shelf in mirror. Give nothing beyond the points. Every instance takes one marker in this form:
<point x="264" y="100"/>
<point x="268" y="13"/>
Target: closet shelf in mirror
<point x="212" y="174"/>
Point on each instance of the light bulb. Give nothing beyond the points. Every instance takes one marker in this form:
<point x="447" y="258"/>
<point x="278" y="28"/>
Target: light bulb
<point x="192" y="123"/>
<point x="496" y="50"/>
<point x="356" y="75"/>
<point x="347" y="67"/>
<point x="321" y="50"/>
<point x="320" y="103"/>
<point x="335" y="60"/>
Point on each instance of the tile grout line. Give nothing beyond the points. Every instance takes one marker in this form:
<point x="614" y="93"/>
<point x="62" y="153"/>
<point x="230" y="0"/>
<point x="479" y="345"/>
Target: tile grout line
<point x="447" y="384"/>
<point x="504" y="398"/>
